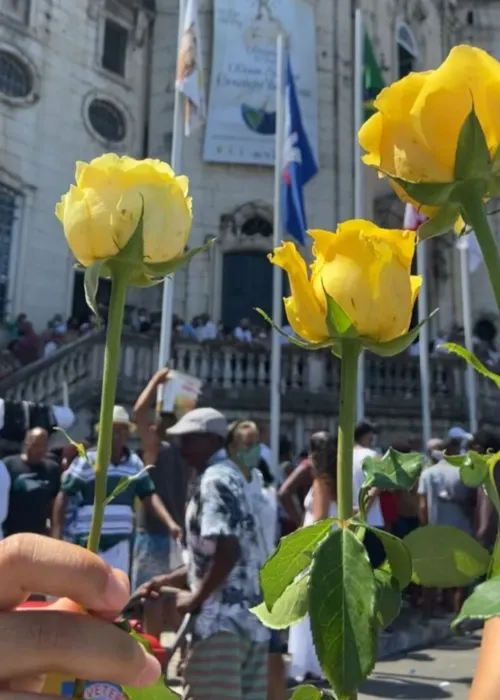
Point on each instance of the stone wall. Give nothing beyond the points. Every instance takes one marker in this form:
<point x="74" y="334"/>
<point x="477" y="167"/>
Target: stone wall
<point x="43" y="134"/>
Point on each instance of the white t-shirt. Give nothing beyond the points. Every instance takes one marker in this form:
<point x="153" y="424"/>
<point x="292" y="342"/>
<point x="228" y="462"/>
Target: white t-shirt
<point x="207" y="332"/>
<point x="244" y="335"/>
<point x="374" y="515"/>
<point x="4" y="495"/>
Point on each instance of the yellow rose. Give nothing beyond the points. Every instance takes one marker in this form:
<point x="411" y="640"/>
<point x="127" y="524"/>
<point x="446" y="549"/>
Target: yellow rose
<point x="101" y="212"/>
<point x="365" y="269"/>
<point x="414" y="134"/>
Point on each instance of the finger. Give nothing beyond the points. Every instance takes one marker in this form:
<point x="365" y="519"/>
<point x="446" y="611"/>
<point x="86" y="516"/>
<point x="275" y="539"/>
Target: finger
<point x="78" y="646"/>
<point x="28" y="684"/>
<point x="32" y="563"/>
<point x="8" y="695"/>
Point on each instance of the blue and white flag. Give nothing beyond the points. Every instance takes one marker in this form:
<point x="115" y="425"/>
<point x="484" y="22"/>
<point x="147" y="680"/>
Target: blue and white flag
<point x="299" y="164"/>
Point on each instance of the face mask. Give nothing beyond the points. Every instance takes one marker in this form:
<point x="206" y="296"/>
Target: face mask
<point x="437" y="455"/>
<point x="248" y="456"/>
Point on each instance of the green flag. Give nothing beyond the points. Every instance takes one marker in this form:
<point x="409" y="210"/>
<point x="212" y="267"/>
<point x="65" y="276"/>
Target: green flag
<point x="373" y="80"/>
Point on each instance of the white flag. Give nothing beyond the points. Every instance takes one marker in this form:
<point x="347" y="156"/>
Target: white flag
<point x="190" y="75"/>
<point x="475" y="256"/>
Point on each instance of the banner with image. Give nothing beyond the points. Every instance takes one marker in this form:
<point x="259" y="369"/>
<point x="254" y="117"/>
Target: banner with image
<point x="241" y="121"/>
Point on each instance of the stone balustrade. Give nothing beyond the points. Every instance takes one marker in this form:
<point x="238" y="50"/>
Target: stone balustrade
<point x="239" y="377"/>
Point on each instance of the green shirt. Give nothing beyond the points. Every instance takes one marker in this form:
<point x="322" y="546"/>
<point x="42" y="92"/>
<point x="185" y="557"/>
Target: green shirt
<point x="79" y="483"/>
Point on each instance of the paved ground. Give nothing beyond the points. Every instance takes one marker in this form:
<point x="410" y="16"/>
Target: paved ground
<point x="444" y="671"/>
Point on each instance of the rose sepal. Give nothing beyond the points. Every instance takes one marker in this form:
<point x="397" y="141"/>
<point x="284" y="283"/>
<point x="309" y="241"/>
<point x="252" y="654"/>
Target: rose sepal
<point x="398" y="345"/>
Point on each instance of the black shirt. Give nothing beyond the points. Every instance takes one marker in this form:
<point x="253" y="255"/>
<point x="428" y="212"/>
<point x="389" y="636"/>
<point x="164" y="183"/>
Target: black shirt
<point x="32" y="492"/>
<point x="170" y="479"/>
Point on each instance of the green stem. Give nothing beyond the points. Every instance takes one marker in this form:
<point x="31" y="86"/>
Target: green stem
<point x="476" y="218"/>
<point x="108" y="395"/>
<point x="347" y="420"/>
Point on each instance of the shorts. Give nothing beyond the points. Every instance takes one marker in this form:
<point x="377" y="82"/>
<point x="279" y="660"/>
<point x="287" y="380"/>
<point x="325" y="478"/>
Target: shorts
<point x="226" y="666"/>
<point x="275" y="643"/>
<point x="151" y="557"/>
<point x="374" y="548"/>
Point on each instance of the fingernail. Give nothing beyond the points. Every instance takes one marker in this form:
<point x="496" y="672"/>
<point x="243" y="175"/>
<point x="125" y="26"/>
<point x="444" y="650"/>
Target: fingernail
<point x="150" y="673"/>
<point x="116" y="593"/>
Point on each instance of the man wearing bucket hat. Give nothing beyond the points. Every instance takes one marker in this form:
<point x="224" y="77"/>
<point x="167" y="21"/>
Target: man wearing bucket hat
<point x="229" y="647"/>
<point x="117" y="529"/>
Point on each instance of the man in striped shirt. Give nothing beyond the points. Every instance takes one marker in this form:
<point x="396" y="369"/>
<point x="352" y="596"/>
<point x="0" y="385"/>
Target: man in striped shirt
<point x="117" y="529"/>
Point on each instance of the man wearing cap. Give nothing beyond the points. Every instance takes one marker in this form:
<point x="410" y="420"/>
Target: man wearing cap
<point x="117" y="529"/>
<point x="228" y="654"/>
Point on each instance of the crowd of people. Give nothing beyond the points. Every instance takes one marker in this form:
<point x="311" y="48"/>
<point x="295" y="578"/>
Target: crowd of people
<point x="210" y="512"/>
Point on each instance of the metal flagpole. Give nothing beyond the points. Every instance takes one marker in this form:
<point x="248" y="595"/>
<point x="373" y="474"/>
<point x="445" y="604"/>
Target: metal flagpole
<point x="277" y="313"/>
<point x="424" y="340"/>
<point x="176" y="163"/>
<point x="463" y="247"/>
<point x="358" y="173"/>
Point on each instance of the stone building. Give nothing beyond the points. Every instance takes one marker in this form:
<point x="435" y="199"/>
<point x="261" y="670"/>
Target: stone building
<point x="80" y="77"/>
<point x="73" y="84"/>
<point x="86" y="77"/>
<point x="234" y="203"/>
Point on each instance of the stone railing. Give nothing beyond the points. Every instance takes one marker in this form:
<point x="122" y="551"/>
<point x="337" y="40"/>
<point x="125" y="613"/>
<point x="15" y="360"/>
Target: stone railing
<point x="239" y="376"/>
<point x="78" y="365"/>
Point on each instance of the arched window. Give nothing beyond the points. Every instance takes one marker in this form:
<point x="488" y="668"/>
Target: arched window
<point x="257" y="226"/>
<point x="407" y="49"/>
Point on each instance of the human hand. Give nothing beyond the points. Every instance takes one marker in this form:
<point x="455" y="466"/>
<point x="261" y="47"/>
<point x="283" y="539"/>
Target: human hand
<point x="152" y="588"/>
<point x="162" y="376"/>
<point x="77" y="645"/>
<point x="176" y="532"/>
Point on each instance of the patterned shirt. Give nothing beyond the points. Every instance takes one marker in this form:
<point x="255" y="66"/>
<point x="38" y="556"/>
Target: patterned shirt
<point x="79" y="481"/>
<point x="221" y="506"/>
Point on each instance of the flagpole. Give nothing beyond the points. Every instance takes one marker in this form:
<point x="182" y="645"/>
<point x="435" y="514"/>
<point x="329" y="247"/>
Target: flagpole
<point x="359" y="193"/>
<point x="277" y="312"/>
<point x="424" y="341"/>
<point x="176" y="163"/>
<point x="463" y="247"/>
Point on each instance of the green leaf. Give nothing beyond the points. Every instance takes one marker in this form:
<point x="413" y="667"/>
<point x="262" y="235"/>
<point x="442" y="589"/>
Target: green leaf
<point x="482" y="604"/>
<point x="300" y="343"/>
<point x="307" y="692"/>
<point x="157" y="691"/>
<point x="387" y="598"/>
<point x="80" y="447"/>
<point x="394" y="471"/>
<point x="398" y="557"/>
<point x="294" y="554"/>
<point x="125" y="482"/>
<point x="473" y="468"/>
<point x="472" y="360"/>
<point x="290" y="608"/>
<point x="168" y="268"/>
<point x="433" y="194"/>
<point x="472" y="159"/>
<point x="494" y="569"/>
<point x="442" y="222"/>
<point x="445" y="557"/>
<point x="337" y="321"/>
<point x="91" y="285"/>
<point x="495" y="163"/>
<point x="398" y="345"/>
<point x="342" y="611"/>
<point x="490" y="484"/>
